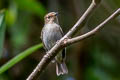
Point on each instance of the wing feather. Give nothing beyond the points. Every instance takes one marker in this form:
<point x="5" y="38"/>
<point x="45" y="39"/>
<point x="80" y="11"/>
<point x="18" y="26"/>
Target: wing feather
<point x="42" y="40"/>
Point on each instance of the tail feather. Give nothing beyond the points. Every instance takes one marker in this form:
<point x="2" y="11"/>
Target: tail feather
<point x="61" y="68"/>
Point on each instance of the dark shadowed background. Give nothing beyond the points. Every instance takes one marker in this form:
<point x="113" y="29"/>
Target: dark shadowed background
<point x="96" y="58"/>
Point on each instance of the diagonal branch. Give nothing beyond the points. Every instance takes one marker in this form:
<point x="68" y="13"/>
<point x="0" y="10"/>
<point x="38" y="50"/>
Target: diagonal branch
<point x="63" y="42"/>
<point x="96" y="29"/>
<point x="84" y="17"/>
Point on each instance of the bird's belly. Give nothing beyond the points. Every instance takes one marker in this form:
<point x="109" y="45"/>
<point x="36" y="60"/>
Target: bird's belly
<point x="50" y="37"/>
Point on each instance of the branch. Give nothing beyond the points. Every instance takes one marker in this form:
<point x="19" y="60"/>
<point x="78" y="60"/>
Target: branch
<point x="95" y="30"/>
<point x="84" y="17"/>
<point x="63" y="42"/>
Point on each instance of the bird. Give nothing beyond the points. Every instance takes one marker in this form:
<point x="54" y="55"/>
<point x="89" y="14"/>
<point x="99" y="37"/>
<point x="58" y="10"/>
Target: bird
<point x="51" y="33"/>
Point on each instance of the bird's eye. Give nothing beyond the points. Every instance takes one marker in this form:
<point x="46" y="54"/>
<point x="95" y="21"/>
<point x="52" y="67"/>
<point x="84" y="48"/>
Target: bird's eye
<point x="49" y="17"/>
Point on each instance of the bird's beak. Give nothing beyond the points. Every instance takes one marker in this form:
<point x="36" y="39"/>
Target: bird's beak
<point x="56" y="14"/>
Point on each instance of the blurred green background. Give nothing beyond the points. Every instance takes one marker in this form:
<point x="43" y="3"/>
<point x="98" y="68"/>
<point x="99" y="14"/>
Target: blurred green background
<point x="21" y="21"/>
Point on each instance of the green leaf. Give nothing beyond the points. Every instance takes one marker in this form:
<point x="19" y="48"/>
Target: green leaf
<point x="11" y="13"/>
<point x="19" y="57"/>
<point x="2" y="30"/>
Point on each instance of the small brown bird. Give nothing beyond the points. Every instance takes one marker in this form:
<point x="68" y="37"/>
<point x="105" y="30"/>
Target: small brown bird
<point x="50" y="34"/>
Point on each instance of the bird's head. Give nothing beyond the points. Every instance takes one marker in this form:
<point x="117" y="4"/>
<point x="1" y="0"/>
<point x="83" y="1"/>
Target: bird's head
<point x="51" y="18"/>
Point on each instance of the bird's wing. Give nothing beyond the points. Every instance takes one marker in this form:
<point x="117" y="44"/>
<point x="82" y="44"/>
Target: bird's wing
<point x="64" y="50"/>
<point x="42" y="40"/>
<point x="61" y="31"/>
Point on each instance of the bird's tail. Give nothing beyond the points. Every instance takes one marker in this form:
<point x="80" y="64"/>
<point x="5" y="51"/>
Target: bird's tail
<point x="61" y="68"/>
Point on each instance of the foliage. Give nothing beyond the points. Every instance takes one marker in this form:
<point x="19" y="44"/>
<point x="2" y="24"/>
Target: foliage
<point x="96" y="58"/>
<point x="2" y="30"/>
<point x="19" y="57"/>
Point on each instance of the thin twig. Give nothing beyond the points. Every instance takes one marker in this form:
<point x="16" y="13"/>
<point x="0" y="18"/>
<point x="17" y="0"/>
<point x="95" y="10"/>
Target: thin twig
<point x="81" y="21"/>
<point x="64" y="41"/>
<point x="92" y="32"/>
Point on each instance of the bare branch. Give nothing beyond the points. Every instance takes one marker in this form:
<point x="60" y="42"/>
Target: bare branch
<point x="85" y="16"/>
<point x="96" y="29"/>
<point x="63" y="42"/>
